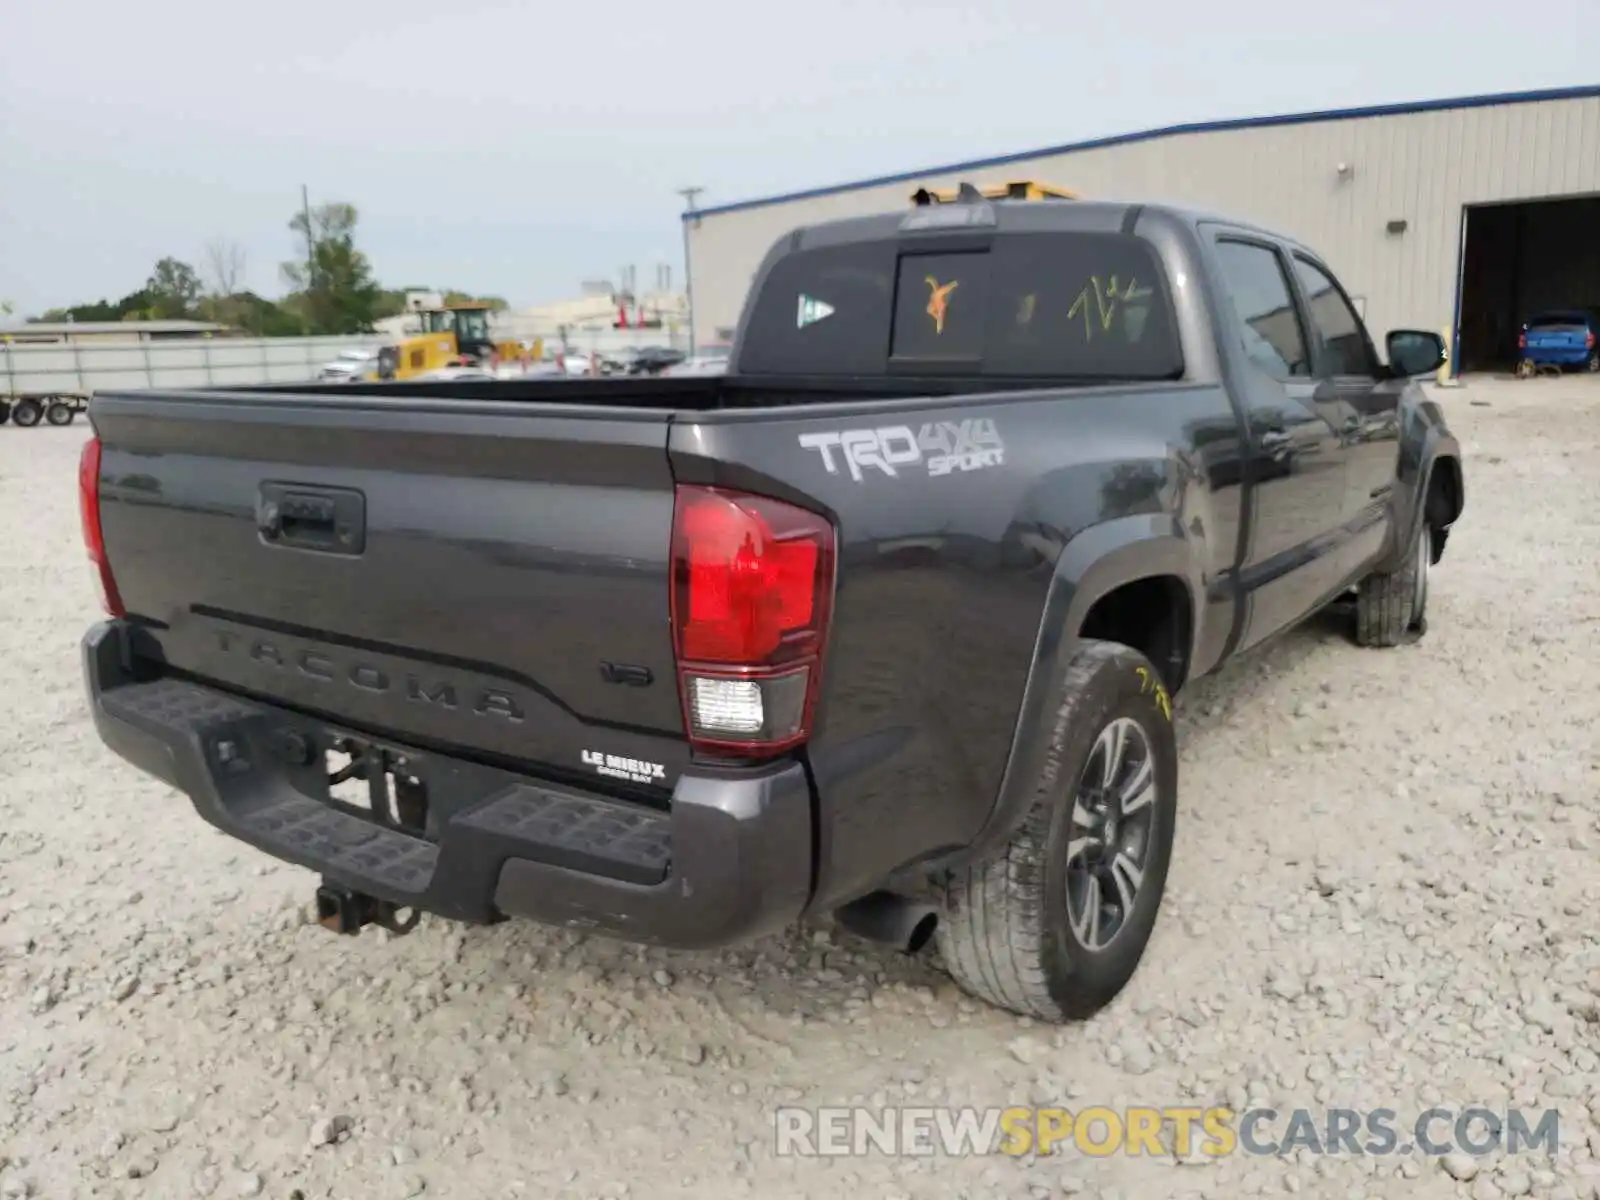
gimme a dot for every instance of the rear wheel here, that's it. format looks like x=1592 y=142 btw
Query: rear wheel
x=1526 y=369
x=1055 y=924
x=27 y=413
x=59 y=414
x=1593 y=362
x=5 y=412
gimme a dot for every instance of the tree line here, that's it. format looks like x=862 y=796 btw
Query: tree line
x=331 y=290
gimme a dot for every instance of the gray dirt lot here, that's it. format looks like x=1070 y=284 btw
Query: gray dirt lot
x=1386 y=893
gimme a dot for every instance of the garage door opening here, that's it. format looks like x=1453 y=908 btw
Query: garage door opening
x=1518 y=260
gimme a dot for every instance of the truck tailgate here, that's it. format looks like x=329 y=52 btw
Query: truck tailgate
x=489 y=577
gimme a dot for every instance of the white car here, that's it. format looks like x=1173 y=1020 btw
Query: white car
x=452 y=373
x=348 y=366
x=544 y=369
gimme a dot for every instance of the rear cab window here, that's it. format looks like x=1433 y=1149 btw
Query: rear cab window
x=1084 y=306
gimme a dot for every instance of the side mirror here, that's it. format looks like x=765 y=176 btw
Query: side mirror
x=1415 y=352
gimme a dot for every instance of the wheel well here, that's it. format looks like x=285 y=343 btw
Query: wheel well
x=1442 y=505
x=1154 y=616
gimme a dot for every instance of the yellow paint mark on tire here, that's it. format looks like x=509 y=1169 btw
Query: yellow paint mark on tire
x=1149 y=683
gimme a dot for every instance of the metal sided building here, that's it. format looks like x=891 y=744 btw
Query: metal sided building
x=1465 y=215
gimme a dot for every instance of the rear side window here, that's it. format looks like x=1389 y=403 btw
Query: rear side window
x=1268 y=323
x=1069 y=305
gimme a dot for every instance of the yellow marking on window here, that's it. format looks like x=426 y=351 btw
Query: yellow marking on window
x=939 y=301
x=1111 y=299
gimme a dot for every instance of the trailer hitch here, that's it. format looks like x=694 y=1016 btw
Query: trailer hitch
x=345 y=911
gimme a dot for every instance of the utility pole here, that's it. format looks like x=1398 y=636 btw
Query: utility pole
x=689 y=194
x=311 y=253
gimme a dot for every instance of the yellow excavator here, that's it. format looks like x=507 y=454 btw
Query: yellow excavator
x=1020 y=189
x=451 y=335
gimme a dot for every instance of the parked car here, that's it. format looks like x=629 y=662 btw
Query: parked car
x=457 y=372
x=577 y=364
x=887 y=622
x=537 y=369
x=349 y=365
x=1564 y=338
x=652 y=360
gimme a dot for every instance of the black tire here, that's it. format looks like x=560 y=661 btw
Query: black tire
x=1593 y=363
x=5 y=412
x=1394 y=607
x=27 y=413
x=59 y=414
x=1007 y=931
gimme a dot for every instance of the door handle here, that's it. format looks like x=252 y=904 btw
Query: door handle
x=327 y=519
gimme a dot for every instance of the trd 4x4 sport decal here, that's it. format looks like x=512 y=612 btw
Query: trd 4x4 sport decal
x=942 y=448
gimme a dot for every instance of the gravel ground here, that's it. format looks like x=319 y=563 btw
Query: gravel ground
x=1385 y=894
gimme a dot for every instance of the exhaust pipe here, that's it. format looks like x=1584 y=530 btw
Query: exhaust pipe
x=890 y=920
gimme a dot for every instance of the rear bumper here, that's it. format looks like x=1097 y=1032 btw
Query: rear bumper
x=1563 y=356
x=730 y=860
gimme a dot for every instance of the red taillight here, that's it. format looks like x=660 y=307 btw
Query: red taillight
x=1522 y=341
x=752 y=584
x=94 y=541
x=1588 y=340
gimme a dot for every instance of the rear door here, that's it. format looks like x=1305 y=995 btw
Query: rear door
x=1296 y=458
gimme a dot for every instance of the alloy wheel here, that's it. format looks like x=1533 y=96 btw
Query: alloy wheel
x=1113 y=809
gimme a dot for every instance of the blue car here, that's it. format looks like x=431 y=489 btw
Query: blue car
x=1560 y=338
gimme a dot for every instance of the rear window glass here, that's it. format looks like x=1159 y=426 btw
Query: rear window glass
x=1070 y=305
x=1558 y=321
x=823 y=312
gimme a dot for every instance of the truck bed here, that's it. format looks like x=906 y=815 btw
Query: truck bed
x=706 y=393
x=508 y=546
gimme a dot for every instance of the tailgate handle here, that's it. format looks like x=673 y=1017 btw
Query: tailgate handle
x=332 y=520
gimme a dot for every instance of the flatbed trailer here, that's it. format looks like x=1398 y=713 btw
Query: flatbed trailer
x=29 y=408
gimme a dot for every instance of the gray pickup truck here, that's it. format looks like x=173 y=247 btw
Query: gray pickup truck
x=886 y=622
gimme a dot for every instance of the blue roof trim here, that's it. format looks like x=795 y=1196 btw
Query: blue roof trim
x=1582 y=92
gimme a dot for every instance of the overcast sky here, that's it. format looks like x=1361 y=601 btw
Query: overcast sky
x=520 y=148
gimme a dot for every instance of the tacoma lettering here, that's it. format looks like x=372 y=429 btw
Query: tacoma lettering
x=374 y=680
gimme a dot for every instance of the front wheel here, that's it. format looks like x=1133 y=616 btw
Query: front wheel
x=1054 y=925
x=1393 y=605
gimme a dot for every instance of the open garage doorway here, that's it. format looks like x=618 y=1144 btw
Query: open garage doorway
x=1519 y=259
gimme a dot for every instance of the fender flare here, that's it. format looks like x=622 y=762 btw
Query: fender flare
x=1093 y=563
x=1410 y=502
